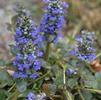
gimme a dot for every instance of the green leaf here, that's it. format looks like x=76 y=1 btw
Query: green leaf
x=72 y=82
x=88 y=78
x=87 y=95
x=37 y=85
x=98 y=78
x=91 y=82
x=5 y=79
x=21 y=85
x=59 y=76
x=3 y=94
x=45 y=64
x=52 y=88
x=13 y=50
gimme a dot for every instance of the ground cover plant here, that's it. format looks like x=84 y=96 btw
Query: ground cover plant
x=45 y=64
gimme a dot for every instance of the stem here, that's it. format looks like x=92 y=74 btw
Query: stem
x=66 y=92
x=56 y=96
x=64 y=77
x=67 y=95
x=82 y=98
x=92 y=90
x=47 y=51
x=13 y=96
x=12 y=87
x=42 y=76
x=39 y=78
x=64 y=70
x=98 y=55
x=89 y=89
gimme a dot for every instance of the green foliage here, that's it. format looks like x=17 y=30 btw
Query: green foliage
x=3 y=94
x=5 y=79
x=98 y=79
x=72 y=82
x=87 y=95
x=58 y=80
x=21 y=85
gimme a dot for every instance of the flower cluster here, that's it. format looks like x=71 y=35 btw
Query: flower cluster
x=32 y=96
x=53 y=19
x=27 y=44
x=85 y=50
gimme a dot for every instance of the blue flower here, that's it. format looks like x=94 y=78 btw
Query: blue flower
x=27 y=43
x=70 y=72
x=18 y=31
x=53 y=19
x=65 y=5
x=84 y=49
x=20 y=74
x=34 y=76
x=31 y=96
x=36 y=67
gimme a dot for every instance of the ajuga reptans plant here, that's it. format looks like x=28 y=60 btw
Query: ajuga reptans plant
x=31 y=55
x=52 y=21
x=84 y=49
x=27 y=43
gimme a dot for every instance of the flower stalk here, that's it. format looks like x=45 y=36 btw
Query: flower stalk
x=64 y=77
x=47 y=51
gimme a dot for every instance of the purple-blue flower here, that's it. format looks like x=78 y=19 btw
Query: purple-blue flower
x=27 y=42
x=34 y=76
x=31 y=96
x=20 y=74
x=84 y=49
x=70 y=72
x=53 y=19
